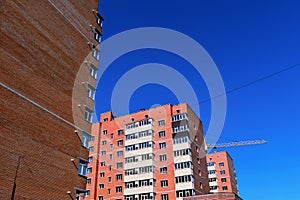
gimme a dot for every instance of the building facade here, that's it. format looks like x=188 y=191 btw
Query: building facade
x=221 y=173
x=152 y=154
x=216 y=196
x=48 y=73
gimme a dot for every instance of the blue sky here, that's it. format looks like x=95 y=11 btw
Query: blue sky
x=247 y=40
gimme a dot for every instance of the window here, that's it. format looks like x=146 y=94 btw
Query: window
x=179 y=117
x=147 y=156
x=102 y=174
x=224 y=188
x=100 y=197
x=99 y=20
x=104 y=142
x=162 y=145
x=184 y=179
x=88 y=115
x=221 y=164
x=162 y=134
x=183 y=165
x=111 y=146
x=97 y=35
x=91 y=92
x=120 y=143
x=105 y=119
x=110 y=156
x=110 y=167
x=105 y=132
x=95 y=52
x=111 y=136
x=85 y=139
x=180 y=128
x=181 y=140
x=93 y=71
x=109 y=179
x=120 y=153
x=211 y=171
x=119 y=177
x=222 y=172
x=101 y=186
x=210 y=164
x=82 y=168
x=182 y=152
x=90 y=159
x=185 y=193
x=144 y=133
x=102 y=164
x=87 y=193
x=163 y=170
x=164 y=197
x=119 y=165
x=223 y=180
x=212 y=179
x=108 y=191
x=88 y=181
x=89 y=170
x=91 y=149
x=118 y=189
x=161 y=122
x=120 y=132
x=163 y=158
x=164 y=183
x=103 y=153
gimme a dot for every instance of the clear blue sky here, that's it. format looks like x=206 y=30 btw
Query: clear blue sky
x=247 y=40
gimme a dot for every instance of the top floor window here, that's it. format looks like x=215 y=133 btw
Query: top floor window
x=179 y=117
x=99 y=20
x=139 y=123
x=161 y=122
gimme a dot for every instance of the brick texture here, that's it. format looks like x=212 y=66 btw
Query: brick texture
x=40 y=55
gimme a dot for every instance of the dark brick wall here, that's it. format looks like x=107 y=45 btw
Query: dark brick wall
x=40 y=55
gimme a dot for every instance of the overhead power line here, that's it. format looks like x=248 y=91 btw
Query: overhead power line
x=251 y=83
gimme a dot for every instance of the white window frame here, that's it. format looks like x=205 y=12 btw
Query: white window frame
x=88 y=115
x=91 y=92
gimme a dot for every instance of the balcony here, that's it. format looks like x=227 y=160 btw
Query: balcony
x=179 y=117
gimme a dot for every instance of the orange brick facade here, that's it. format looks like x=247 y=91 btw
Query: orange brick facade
x=145 y=155
x=43 y=46
x=221 y=173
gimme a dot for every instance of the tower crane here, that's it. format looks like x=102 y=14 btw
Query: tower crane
x=235 y=144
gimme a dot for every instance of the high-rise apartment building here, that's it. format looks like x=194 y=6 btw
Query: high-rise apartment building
x=48 y=71
x=221 y=173
x=152 y=154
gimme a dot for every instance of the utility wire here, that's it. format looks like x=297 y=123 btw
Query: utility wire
x=250 y=83
x=244 y=86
